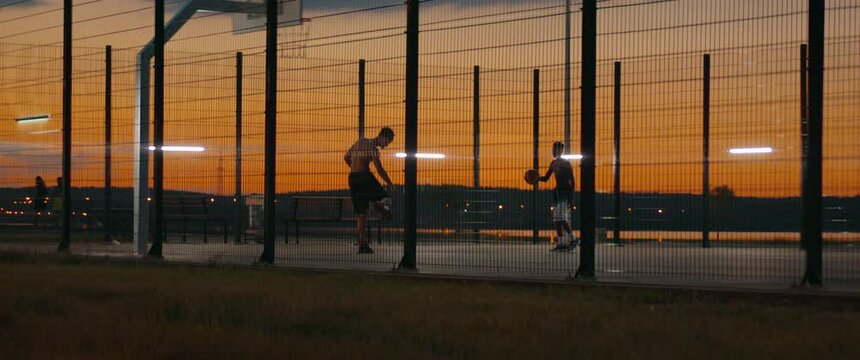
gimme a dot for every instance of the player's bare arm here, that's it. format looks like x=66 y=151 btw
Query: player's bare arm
x=380 y=169
x=549 y=172
x=348 y=157
x=571 y=179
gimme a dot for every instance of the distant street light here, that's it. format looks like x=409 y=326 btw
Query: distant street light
x=747 y=151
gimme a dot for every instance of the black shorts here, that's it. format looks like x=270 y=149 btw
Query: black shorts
x=364 y=188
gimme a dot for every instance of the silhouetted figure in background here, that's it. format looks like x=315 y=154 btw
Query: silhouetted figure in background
x=40 y=198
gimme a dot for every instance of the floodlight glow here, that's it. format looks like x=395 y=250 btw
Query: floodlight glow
x=744 y=151
x=572 y=157
x=33 y=118
x=422 y=156
x=43 y=132
x=179 y=148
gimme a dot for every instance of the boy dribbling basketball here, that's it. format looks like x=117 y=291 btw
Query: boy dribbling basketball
x=563 y=198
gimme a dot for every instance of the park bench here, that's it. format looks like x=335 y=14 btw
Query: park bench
x=325 y=209
x=189 y=210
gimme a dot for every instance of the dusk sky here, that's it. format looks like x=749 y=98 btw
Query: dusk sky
x=755 y=92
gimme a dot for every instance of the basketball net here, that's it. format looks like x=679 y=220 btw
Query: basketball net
x=294 y=40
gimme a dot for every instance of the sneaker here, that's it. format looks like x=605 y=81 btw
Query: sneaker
x=115 y=242
x=365 y=249
x=560 y=248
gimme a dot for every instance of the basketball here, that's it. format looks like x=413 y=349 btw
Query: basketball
x=531 y=176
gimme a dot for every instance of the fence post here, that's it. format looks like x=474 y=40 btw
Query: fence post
x=361 y=97
x=411 y=186
x=804 y=117
x=239 y=228
x=476 y=140
x=567 y=77
x=269 y=211
x=535 y=150
x=706 y=151
x=67 y=128
x=588 y=98
x=616 y=137
x=812 y=202
x=107 y=215
x=158 y=137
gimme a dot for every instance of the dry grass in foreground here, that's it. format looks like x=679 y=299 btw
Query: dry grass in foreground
x=70 y=308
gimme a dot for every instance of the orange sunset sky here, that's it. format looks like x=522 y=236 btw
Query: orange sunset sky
x=755 y=99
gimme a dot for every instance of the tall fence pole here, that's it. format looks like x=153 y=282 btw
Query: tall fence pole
x=67 y=127
x=588 y=99
x=535 y=150
x=804 y=114
x=361 y=97
x=411 y=184
x=269 y=211
x=476 y=140
x=107 y=215
x=567 y=77
x=812 y=188
x=158 y=137
x=239 y=228
x=706 y=152
x=616 y=162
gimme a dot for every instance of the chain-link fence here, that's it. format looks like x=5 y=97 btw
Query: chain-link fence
x=700 y=130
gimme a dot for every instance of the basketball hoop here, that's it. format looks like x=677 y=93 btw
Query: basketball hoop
x=289 y=15
x=294 y=41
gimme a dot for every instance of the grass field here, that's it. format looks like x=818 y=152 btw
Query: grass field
x=74 y=308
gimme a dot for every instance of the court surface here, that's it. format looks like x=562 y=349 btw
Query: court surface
x=722 y=265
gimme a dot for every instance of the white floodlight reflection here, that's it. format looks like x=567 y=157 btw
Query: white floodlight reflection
x=179 y=148
x=44 y=132
x=422 y=155
x=747 y=151
x=572 y=157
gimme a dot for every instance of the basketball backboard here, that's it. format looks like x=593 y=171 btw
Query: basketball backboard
x=289 y=14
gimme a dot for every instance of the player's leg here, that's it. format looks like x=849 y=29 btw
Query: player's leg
x=358 y=187
x=561 y=244
x=361 y=209
x=561 y=216
x=362 y=230
x=559 y=229
x=572 y=242
x=380 y=198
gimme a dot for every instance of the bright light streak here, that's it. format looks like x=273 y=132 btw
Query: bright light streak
x=744 y=151
x=422 y=156
x=179 y=148
x=572 y=157
x=44 y=132
x=33 y=118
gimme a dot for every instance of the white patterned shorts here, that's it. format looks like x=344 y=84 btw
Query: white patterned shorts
x=561 y=211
